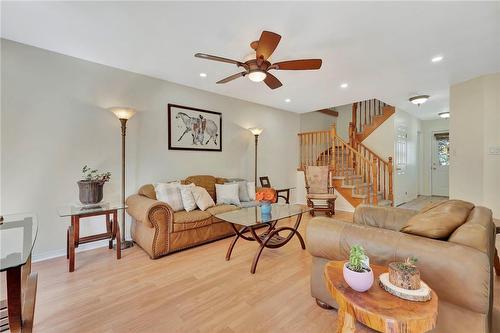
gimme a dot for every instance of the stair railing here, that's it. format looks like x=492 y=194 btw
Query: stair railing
x=348 y=161
x=327 y=148
x=364 y=112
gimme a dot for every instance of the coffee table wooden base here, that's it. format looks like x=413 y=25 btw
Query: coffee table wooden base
x=376 y=308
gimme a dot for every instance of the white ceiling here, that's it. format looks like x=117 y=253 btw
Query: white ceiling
x=382 y=49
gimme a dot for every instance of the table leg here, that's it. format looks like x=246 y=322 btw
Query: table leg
x=67 y=243
x=346 y=323
x=288 y=196
x=14 y=298
x=117 y=235
x=71 y=233
x=109 y=229
x=77 y=230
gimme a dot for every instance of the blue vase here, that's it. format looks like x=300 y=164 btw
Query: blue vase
x=265 y=208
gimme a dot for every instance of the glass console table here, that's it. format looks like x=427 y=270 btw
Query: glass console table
x=73 y=239
x=17 y=237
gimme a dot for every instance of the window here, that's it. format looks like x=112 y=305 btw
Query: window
x=443 y=148
x=401 y=150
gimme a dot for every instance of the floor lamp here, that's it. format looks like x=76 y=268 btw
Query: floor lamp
x=256 y=132
x=123 y=114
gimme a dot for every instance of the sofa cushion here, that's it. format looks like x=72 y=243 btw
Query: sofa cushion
x=188 y=200
x=227 y=194
x=148 y=191
x=440 y=220
x=242 y=189
x=170 y=193
x=206 y=181
x=221 y=209
x=202 y=198
x=191 y=217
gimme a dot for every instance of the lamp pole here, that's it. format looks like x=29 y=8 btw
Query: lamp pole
x=123 y=114
x=256 y=132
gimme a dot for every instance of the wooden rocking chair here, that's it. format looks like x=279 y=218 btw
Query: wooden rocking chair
x=319 y=190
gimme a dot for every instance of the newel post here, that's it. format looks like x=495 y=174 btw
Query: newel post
x=333 y=134
x=391 y=168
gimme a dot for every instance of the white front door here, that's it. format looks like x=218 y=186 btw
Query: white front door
x=440 y=164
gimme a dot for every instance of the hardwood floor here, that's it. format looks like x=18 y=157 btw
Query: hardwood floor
x=190 y=291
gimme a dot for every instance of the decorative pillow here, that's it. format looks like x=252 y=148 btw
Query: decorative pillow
x=170 y=194
x=227 y=194
x=242 y=190
x=251 y=190
x=440 y=220
x=187 y=197
x=202 y=198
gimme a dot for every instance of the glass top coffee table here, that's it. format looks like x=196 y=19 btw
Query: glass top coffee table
x=250 y=219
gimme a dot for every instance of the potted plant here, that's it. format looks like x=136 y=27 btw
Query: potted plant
x=91 y=185
x=357 y=272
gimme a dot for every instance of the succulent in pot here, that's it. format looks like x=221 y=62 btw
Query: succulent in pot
x=91 y=185
x=357 y=272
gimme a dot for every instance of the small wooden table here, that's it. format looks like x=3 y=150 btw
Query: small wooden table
x=376 y=308
x=73 y=239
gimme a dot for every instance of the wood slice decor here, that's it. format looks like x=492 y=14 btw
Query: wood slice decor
x=406 y=279
x=423 y=294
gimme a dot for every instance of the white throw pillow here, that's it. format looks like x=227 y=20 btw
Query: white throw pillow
x=251 y=190
x=227 y=194
x=170 y=194
x=187 y=197
x=202 y=198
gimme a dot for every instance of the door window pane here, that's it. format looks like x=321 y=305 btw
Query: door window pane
x=443 y=151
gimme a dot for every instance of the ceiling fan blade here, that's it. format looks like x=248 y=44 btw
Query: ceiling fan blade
x=216 y=58
x=267 y=44
x=303 y=64
x=272 y=82
x=232 y=77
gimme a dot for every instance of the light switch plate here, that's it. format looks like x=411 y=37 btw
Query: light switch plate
x=494 y=150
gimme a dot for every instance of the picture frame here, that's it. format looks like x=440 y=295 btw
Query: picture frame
x=194 y=129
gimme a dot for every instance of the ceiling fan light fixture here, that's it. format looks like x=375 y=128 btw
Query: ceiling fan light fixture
x=257 y=76
x=420 y=99
x=445 y=114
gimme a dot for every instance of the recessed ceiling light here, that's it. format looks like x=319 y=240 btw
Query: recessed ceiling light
x=344 y=85
x=445 y=114
x=437 y=59
x=420 y=99
x=288 y=100
x=203 y=74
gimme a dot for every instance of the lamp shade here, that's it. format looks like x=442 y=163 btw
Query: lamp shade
x=255 y=130
x=122 y=112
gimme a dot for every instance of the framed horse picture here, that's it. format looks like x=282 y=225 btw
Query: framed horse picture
x=194 y=129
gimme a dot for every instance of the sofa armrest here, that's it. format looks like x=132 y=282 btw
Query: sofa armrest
x=144 y=210
x=383 y=217
x=458 y=274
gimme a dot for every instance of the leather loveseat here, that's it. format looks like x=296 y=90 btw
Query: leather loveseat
x=159 y=230
x=459 y=267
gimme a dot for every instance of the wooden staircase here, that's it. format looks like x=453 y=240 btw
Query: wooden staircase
x=366 y=117
x=357 y=173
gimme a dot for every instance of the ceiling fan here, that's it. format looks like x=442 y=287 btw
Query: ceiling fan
x=258 y=69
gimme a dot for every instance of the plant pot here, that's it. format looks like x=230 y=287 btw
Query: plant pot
x=90 y=192
x=359 y=281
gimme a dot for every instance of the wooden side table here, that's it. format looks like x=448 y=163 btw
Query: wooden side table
x=76 y=213
x=376 y=308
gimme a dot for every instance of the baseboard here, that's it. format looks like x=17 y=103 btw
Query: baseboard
x=62 y=252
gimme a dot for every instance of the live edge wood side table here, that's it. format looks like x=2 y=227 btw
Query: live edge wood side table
x=17 y=237
x=376 y=308
x=76 y=213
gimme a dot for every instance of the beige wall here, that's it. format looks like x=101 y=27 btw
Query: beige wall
x=474 y=130
x=315 y=121
x=54 y=120
x=343 y=120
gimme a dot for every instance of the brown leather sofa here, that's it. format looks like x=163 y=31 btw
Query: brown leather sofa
x=459 y=268
x=159 y=230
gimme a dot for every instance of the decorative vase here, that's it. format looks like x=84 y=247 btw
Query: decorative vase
x=90 y=191
x=407 y=279
x=359 y=281
x=265 y=208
